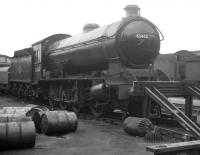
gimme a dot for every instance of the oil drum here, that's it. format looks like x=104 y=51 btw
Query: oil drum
x=32 y=111
x=15 y=110
x=25 y=108
x=137 y=126
x=31 y=105
x=37 y=120
x=14 y=118
x=17 y=135
x=54 y=122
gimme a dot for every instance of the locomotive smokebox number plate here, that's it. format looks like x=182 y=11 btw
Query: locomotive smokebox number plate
x=143 y=36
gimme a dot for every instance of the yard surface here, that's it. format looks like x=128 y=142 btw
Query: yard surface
x=92 y=138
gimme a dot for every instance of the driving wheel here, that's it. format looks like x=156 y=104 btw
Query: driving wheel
x=63 y=97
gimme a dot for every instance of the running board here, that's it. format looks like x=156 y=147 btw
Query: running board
x=187 y=123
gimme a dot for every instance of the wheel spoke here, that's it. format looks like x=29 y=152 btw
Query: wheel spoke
x=63 y=98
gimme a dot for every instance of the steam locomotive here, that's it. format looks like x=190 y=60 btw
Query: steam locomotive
x=93 y=70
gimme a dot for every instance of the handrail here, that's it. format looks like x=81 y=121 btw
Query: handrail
x=186 y=122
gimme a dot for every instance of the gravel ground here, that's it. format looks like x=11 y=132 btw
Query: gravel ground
x=92 y=138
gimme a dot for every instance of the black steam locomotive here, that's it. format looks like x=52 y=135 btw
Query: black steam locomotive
x=93 y=70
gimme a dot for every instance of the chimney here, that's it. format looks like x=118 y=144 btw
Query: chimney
x=89 y=27
x=132 y=10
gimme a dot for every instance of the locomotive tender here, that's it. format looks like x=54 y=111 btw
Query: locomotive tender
x=93 y=70
x=4 y=67
x=179 y=66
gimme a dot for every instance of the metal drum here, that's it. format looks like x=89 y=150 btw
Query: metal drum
x=31 y=105
x=37 y=120
x=32 y=111
x=14 y=118
x=17 y=135
x=137 y=126
x=15 y=110
x=54 y=122
x=12 y=115
x=26 y=108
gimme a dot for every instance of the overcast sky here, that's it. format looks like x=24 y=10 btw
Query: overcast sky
x=24 y=22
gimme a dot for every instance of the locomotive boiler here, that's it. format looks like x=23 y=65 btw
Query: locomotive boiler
x=134 y=41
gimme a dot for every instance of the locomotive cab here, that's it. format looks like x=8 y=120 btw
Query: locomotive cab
x=41 y=56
